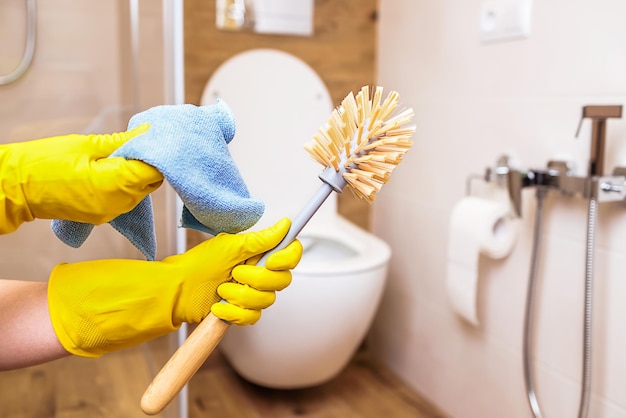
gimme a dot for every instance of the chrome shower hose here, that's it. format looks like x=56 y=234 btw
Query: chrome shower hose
x=530 y=302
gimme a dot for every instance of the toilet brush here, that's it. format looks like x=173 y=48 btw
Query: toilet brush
x=360 y=145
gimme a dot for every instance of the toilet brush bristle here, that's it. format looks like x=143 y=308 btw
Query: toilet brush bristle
x=364 y=139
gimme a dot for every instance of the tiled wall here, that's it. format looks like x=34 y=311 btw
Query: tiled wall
x=80 y=82
x=474 y=102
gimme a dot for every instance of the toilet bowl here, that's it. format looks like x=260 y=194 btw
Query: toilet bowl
x=317 y=323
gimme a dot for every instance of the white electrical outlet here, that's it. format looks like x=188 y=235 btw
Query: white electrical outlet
x=502 y=20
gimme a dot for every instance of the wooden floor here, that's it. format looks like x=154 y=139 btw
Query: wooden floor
x=112 y=386
x=76 y=387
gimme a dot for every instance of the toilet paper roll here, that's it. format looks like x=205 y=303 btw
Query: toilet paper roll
x=477 y=226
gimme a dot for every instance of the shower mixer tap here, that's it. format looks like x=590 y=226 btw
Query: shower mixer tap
x=547 y=178
x=506 y=175
x=559 y=175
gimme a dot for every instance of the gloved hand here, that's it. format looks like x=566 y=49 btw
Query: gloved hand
x=69 y=177
x=101 y=306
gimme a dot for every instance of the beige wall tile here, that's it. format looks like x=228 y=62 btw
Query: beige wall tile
x=474 y=102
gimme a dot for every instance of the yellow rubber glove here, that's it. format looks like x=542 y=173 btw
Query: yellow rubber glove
x=69 y=177
x=101 y=306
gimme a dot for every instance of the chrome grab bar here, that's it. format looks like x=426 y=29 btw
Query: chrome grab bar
x=29 y=50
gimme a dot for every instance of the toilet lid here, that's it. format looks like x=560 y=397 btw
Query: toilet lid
x=279 y=102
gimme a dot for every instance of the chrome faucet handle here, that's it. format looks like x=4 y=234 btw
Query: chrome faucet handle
x=511 y=178
x=598 y=114
x=558 y=171
x=515 y=180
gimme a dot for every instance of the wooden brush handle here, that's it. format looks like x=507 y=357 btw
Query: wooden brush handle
x=185 y=362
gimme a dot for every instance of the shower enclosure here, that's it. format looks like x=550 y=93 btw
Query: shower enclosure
x=94 y=64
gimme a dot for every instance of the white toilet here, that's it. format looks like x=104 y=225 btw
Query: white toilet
x=318 y=322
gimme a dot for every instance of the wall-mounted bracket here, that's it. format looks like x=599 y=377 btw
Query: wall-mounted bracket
x=607 y=188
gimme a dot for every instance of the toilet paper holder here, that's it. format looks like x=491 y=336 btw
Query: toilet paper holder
x=505 y=175
x=497 y=174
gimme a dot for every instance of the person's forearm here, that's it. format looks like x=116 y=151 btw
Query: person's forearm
x=27 y=334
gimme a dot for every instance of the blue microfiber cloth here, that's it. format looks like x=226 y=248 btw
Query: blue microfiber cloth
x=188 y=144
